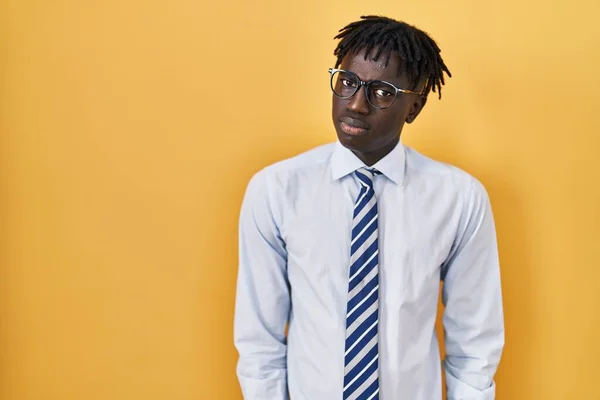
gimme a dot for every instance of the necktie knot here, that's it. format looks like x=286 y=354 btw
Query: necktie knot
x=366 y=174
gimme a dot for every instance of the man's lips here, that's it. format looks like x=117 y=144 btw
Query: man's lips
x=353 y=127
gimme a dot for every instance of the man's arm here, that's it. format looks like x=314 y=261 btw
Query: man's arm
x=262 y=298
x=473 y=317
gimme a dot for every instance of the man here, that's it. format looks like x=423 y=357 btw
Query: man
x=346 y=244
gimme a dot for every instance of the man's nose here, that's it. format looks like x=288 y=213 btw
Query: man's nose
x=358 y=103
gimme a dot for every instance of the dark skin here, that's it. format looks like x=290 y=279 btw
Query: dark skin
x=383 y=127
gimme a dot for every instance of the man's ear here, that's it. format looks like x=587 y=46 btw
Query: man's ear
x=416 y=108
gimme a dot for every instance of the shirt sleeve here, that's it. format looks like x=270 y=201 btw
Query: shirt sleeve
x=473 y=317
x=262 y=298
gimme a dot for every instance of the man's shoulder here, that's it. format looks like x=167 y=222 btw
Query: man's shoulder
x=284 y=170
x=428 y=168
x=314 y=157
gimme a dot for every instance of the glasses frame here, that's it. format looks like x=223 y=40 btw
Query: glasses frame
x=366 y=85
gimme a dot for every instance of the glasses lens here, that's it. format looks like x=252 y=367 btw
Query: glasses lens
x=381 y=94
x=344 y=84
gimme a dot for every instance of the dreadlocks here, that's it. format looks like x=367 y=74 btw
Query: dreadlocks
x=419 y=54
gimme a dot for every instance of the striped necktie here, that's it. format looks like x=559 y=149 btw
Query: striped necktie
x=361 y=373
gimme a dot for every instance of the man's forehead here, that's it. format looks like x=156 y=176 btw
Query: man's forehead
x=386 y=62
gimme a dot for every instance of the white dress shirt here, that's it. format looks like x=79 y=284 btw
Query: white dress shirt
x=435 y=224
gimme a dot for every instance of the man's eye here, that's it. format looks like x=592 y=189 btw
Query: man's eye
x=348 y=83
x=383 y=93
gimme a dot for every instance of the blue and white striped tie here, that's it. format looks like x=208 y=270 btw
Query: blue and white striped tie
x=361 y=373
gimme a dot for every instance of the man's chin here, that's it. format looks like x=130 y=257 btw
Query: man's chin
x=352 y=143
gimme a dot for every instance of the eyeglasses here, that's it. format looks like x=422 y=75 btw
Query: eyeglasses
x=380 y=94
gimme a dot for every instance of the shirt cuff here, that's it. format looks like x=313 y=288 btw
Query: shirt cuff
x=458 y=390
x=258 y=389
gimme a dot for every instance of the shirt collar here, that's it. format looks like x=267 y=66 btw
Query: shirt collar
x=344 y=162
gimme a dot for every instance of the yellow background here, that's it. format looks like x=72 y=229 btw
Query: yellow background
x=129 y=130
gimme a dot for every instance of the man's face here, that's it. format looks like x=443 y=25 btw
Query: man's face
x=369 y=132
